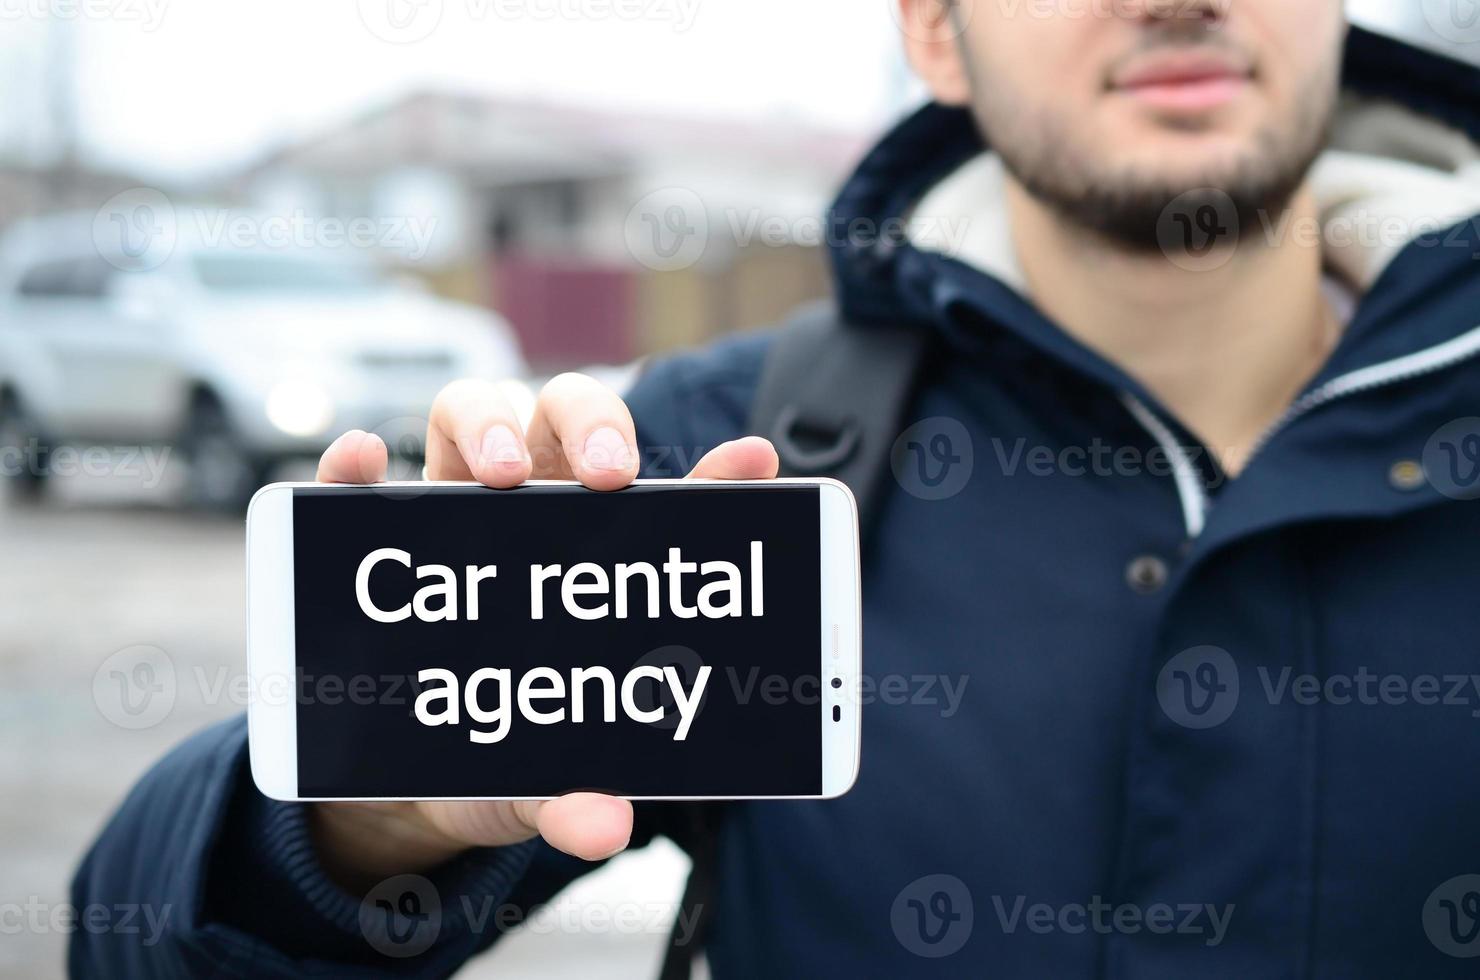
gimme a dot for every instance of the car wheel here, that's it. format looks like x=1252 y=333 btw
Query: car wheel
x=223 y=471
x=23 y=454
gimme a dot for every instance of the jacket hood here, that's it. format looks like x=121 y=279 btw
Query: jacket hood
x=1402 y=166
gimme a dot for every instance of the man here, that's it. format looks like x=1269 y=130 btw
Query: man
x=1211 y=334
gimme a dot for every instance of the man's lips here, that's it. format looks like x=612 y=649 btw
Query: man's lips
x=1183 y=82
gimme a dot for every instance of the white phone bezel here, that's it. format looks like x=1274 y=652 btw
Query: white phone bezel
x=271 y=654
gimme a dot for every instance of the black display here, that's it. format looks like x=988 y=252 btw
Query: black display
x=458 y=641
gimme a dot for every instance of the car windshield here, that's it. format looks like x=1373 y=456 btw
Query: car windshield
x=258 y=272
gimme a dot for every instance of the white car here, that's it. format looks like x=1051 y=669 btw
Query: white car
x=240 y=358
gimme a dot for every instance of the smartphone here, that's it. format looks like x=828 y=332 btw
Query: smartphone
x=674 y=640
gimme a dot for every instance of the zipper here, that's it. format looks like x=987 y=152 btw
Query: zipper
x=1190 y=490
x=1437 y=358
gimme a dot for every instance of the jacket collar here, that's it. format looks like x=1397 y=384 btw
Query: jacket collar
x=882 y=275
x=1423 y=299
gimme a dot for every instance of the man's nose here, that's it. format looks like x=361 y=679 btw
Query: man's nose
x=1193 y=14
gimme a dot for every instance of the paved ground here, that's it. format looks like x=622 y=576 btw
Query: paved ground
x=105 y=565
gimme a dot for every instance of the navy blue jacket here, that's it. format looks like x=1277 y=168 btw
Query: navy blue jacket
x=1201 y=727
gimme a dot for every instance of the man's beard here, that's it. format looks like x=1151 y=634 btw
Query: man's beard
x=1129 y=209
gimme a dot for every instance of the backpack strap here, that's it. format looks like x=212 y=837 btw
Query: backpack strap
x=832 y=396
x=831 y=399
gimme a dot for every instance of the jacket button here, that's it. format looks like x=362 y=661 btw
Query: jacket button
x=1407 y=474
x=1146 y=574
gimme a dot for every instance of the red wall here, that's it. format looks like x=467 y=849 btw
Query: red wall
x=567 y=313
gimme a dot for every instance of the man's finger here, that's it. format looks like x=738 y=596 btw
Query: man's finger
x=355 y=457
x=751 y=458
x=587 y=825
x=473 y=434
x=582 y=430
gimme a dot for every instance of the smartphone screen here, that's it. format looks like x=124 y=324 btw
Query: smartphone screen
x=464 y=642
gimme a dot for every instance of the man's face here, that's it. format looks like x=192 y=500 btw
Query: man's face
x=1109 y=109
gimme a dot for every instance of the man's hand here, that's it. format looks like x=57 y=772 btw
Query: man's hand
x=581 y=430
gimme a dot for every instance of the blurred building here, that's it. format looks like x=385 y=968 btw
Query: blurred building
x=29 y=189
x=533 y=206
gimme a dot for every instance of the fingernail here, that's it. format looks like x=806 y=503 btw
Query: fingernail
x=607 y=450
x=501 y=447
x=612 y=853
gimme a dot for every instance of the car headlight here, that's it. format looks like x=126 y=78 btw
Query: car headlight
x=300 y=408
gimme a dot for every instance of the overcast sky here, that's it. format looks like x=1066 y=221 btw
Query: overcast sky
x=175 y=87
x=179 y=86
